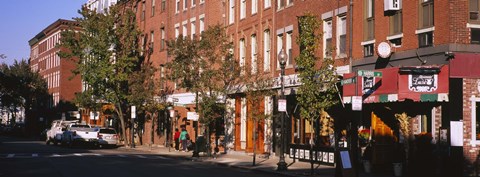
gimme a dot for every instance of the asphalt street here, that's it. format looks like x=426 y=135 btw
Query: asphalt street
x=28 y=158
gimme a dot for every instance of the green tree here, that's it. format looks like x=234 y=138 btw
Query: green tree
x=207 y=68
x=106 y=52
x=317 y=92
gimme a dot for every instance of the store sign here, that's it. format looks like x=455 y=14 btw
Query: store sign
x=357 y=103
x=282 y=105
x=192 y=116
x=423 y=83
x=367 y=85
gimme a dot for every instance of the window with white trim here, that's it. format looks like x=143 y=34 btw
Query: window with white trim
x=177 y=6
x=288 y=47
x=341 y=36
x=243 y=9
x=153 y=8
x=185 y=4
x=327 y=38
x=162 y=41
x=279 y=45
x=267 y=3
x=475 y=113
x=194 y=3
x=231 y=12
x=253 y=53
x=426 y=13
x=177 y=30
x=184 y=29
x=192 y=28
x=266 y=50
x=241 y=52
x=280 y=4
x=254 y=6
x=202 y=24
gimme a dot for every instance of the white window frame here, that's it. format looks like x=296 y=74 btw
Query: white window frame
x=267 y=4
x=341 y=30
x=185 y=5
x=326 y=35
x=279 y=46
x=243 y=119
x=231 y=12
x=266 y=50
x=253 y=53
x=177 y=6
x=288 y=46
x=192 y=27
x=474 y=101
x=177 y=30
x=254 y=6
x=241 y=53
x=202 y=24
x=243 y=9
x=193 y=3
x=184 y=29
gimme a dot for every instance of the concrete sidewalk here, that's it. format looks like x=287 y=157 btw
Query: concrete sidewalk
x=245 y=161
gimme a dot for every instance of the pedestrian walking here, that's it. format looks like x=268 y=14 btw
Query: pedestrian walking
x=184 y=138
x=176 y=137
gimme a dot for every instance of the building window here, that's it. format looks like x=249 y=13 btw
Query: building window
x=279 y=45
x=253 y=53
x=342 y=37
x=185 y=4
x=162 y=42
x=231 y=12
x=164 y=5
x=177 y=6
x=267 y=3
x=368 y=50
x=202 y=24
x=369 y=20
x=192 y=28
x=327 y=38
x=475 y=119
x=152 y=39
x=202 y=1
x=242 y=54
x=396 y=23
x=280 y=4
x=288 y=48
x=425 y=39
x=254 y=6
x=142 y=17
x=177 y=30
x=397 y=42
x=474 y=7
x=426 y=13
x=266 y=50
x=194 y=3
x=184 y=29
x=474 y=35
x=153 y=8
x=243 y=9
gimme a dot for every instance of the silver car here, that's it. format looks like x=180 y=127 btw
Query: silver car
x=107 y=137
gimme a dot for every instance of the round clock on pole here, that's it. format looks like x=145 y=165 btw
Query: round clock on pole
x=384 y=50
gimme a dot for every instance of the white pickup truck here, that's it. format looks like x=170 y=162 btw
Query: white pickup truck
x=79 y=133
x=54 y=134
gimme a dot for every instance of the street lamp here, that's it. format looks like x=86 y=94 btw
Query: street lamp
x=282 y=165
x=169 y=135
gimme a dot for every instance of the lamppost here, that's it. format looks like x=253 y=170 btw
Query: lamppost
x=282 y=165
x=169 y=135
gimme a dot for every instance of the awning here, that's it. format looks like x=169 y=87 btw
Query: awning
x=465 y=65
x=417 y=83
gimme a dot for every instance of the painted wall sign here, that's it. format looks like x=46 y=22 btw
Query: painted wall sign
x=422 y=83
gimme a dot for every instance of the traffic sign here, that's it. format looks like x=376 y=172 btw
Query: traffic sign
x=369 y=73
x=282 y=105
x=348 y=81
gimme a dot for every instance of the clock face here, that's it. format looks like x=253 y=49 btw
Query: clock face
x=384 y=50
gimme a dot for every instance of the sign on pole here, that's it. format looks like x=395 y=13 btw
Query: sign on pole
x=282 y=105
x=192 y=116
x=357 y=103
x=369 y=73
x=133 y=111
x=348 y=81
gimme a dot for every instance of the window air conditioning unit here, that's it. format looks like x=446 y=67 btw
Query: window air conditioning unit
x=392 y=5
x=474 y=15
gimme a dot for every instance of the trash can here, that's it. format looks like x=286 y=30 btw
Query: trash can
x=200 y=144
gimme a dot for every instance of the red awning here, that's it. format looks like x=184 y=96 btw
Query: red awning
x=418 y=83
x=465 y=65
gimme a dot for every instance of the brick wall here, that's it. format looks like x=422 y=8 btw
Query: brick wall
x=470 y=150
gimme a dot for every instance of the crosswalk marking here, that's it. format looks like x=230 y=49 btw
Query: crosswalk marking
x=34 y=155
x=77 y=154
x=46 y=155
x=10 y=155
x=141 y=156
x=56 y=155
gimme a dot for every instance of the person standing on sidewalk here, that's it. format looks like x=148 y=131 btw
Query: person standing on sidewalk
x=183 y=139
x=176 y=137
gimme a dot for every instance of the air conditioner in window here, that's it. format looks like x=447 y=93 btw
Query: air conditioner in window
x=474 y=15
x=392 y=5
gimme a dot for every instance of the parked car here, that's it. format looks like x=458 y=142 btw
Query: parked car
x=55 y=133
x=107 y=137
x=79 y=134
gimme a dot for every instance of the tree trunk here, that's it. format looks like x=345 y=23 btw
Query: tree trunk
x=119 y=111
x=311 y=148
x=152 y=128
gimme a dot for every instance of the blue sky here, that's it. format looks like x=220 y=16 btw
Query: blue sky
x=21 y=20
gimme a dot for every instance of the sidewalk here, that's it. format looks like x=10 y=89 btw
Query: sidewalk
x=245 y=161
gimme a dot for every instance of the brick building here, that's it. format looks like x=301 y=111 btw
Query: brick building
x=44 y=59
